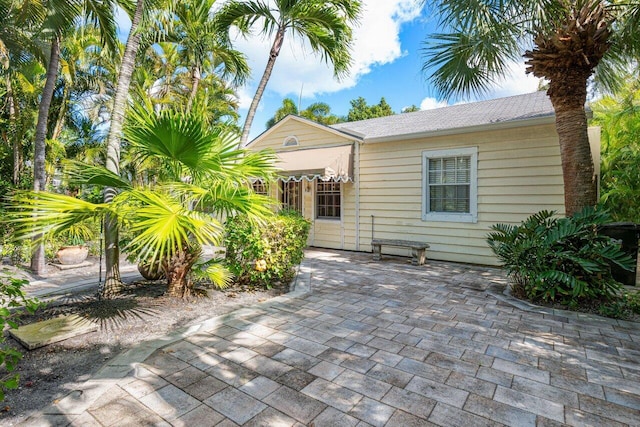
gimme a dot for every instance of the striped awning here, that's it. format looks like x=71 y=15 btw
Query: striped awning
x=326 y=164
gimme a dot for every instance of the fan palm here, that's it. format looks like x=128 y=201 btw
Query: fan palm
x=198 y=171
x=564 y=42
x=325 y=25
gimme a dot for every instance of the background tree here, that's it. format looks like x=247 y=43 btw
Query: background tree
x=319 y=112
x=325 y=25
x=563 y=42
x=60 y=18
x=410 y=109
x=360 y=110
x=619 y=117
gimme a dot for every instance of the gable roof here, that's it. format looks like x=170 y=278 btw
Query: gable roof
x=508 y=111
x=501 y=112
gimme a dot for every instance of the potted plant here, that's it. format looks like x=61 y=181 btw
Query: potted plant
x=73 y=249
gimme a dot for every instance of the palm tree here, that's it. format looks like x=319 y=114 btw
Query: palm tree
x=199 y=169
x=325 y=24
x=61 y=16
x=564 y=42
x=202 y=48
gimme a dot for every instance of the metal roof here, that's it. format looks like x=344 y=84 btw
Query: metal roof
x=530 y=106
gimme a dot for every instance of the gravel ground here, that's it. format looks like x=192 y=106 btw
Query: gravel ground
x=141 y=313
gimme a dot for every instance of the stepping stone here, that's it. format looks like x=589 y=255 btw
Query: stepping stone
x=39 y=334
x=64 y=267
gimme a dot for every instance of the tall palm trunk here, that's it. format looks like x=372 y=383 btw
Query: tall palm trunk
x=62 y=112
x=568 y=96
x=195 y=82
x=39 y=174
x=113 y=282
x=16 y=144
x=177 y=269
x=273 y=55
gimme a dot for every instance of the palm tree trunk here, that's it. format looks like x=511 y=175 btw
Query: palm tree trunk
x=16 y=145
x=113 y=282
x=177 y=270
x=39 y=175
x=568 y=96
x=195 y=82
x=273 y=55
x=57 y=130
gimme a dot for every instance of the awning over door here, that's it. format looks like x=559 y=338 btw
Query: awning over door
x=326 y=164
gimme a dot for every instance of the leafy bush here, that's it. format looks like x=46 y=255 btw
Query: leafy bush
x=263 y=254
x=11 y=296
x=560 y=259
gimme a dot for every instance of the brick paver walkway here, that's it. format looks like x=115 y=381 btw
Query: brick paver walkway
x=381 y=344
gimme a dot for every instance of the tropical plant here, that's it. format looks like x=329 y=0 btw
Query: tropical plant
x=319 y=112
x=59 y=17
x=560 y=259
x=564 y=42
x=265 y=254
x=197 y=171
x=12 y=297
x=619 y=118
x=325 y=25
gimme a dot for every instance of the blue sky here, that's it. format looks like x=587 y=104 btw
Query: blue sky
x=387 y=62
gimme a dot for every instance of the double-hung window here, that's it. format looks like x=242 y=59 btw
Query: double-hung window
x=260 y=187
x=450 y=185
x=328 y=200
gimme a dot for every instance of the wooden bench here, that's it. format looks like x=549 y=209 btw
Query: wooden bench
x=418 y=249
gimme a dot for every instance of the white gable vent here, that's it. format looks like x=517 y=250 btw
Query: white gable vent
x=290 y=141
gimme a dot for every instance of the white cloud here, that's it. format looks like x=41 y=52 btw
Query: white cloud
x=376 y=42
x=432 y=103
x=516 y=82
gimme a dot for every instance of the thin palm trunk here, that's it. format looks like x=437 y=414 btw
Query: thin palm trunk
x=568 y=97
x=39 y=174
x=195 y=82
x=57 y=130
x=273 y=55
x=16 y=144
x=113 y=282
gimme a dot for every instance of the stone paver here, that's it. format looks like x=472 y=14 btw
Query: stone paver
x=375 y=343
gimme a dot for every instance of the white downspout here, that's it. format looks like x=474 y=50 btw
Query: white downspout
x=356 y=177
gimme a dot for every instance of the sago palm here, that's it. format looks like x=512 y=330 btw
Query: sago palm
x=199 y=172
x=564 y=42
x=325 y=25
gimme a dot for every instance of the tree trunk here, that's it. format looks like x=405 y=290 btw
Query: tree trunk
x=568 y=96
x=195 y=82
x=273 y=55
x=177 y=270
x=113 y=282
x=39 y=175
x=57 y=130
x=16 y=143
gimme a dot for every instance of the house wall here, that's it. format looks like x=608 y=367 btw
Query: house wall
x=519 y=173
x=324 y=233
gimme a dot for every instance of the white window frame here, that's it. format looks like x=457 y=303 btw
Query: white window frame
x=315 y=198
x=472 y=215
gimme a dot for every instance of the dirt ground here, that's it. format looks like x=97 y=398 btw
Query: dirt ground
x=141 y=313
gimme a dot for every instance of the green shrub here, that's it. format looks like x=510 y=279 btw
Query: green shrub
x=560 y=259
x=266 y=253
x=11 y=297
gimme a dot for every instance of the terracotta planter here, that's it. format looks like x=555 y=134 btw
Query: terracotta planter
x=151 y=271
x=71 y=255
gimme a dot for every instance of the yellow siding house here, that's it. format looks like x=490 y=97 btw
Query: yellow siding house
x=440 y=176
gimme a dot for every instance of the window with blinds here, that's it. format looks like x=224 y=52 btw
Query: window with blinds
x=260 y=187
x=450 y=185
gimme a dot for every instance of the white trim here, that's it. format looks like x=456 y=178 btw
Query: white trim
x=472 y=216
x=356 y=182
x=291 y=138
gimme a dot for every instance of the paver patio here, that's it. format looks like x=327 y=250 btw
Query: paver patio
x=375 y=343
